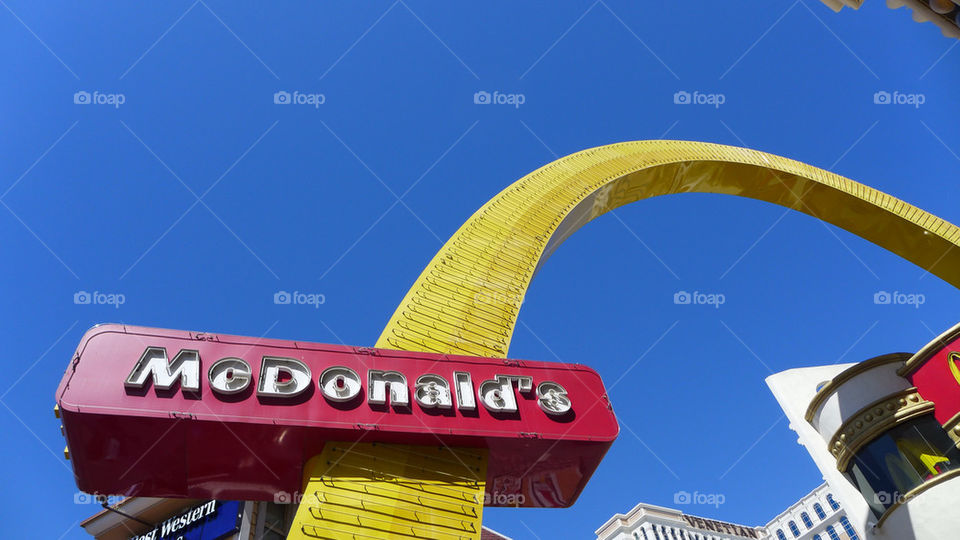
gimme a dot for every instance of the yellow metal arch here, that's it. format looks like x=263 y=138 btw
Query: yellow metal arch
x=468 y=298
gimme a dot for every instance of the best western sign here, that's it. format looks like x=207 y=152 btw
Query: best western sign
x=210 y=520
x=170 y=413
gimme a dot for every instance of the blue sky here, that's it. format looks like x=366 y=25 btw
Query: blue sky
x=352 y=197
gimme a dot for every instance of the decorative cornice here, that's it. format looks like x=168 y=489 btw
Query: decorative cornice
x=929 y=350
x=874 y=419
x=848 y=374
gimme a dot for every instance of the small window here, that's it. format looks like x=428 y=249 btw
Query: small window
x=819 y=510
x=780 y=535
x=832 y=533
x=849 y=528
x=833 y=503
x=794 y=529
x=806 y=520
x=817 y=537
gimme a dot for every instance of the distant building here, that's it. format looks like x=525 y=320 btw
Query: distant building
x=945 y=14
x=816 y=516
x=649 y=522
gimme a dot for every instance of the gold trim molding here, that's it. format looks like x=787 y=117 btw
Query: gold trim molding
x=940 y=478
x=952 y=427
x=848 y=374
x=929 y=350
x=874 y=419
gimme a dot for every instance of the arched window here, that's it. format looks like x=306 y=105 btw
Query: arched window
x=833 y=503
x=817 y=537
x=819 y=510
x=806 y=520
x=849 y=528
x=832 y=533
x=794 y=529
x=780 y=535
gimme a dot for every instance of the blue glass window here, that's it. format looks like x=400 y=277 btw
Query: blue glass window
x=849 y=528
x=819 y=510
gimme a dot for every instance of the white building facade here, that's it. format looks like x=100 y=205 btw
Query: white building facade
x=650 y=522
x=816 y=516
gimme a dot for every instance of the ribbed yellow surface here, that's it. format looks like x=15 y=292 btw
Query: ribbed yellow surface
x=361 y=491
x=467 y=299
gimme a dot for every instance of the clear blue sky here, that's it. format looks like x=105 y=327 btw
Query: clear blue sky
x=103 y=198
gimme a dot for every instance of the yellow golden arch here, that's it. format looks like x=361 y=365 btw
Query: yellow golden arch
x=468 y=298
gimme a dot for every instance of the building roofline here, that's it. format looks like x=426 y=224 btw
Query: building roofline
x=798 y=503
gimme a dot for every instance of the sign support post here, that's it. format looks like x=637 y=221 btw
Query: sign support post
x=368 y=490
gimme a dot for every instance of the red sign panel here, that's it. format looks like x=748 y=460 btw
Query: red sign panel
x=938 y=377
x=168 y=413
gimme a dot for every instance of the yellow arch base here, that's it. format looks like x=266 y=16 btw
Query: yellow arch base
x=467 y=299
x=363 y=491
